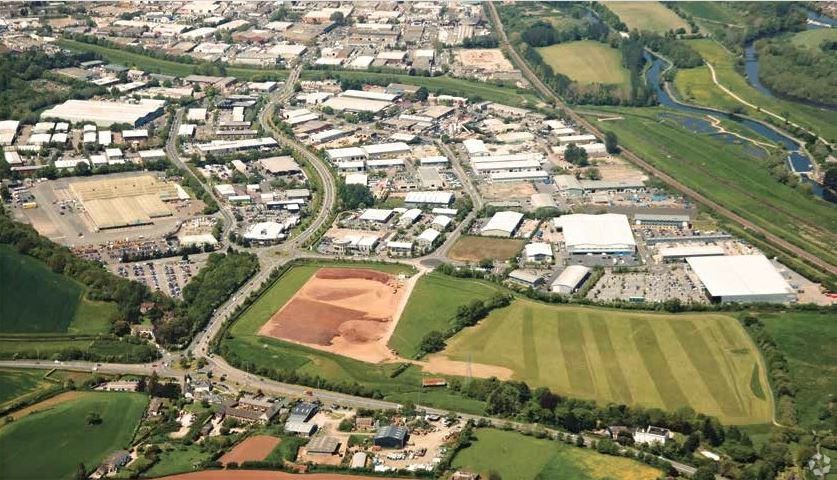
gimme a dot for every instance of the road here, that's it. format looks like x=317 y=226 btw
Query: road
x=773 y=240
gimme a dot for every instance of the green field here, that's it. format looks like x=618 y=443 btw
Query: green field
x=651 y=16
x=695 y=86
x=587 y=62
x=177 y=459
x=714 y=12
x=668 y=361
x=813 y=38
x=61 y=436
x=454 y=86
x=17 y=384
x=473 y=249
x=516 y=456
x=243 y=344
x=432 y=306
x=727 y=174
x=808 y=342
x=40 y=301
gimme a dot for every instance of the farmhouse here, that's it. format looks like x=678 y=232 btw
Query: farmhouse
x=502 y=224
x=390 y=436
x=741 y=278
x=607 y=233
x=652 y=435
x=570 y=279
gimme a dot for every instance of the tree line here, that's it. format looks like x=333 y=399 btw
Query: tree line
x=802 y=73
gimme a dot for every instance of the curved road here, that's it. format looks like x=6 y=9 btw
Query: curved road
x=774 y=240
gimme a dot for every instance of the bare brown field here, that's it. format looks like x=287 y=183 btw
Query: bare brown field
x=347 y=311
x=252 y=449
x=474 y=249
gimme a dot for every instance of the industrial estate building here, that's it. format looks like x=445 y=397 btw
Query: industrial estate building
x=104 y=113
x=741 y=278
x=608 y=233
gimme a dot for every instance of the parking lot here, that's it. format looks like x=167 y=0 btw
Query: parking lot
x=664 y=282
x=166 y=275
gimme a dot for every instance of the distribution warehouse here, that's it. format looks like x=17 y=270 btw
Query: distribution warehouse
x=741 y=278
x=606 y=233
x=105 y=114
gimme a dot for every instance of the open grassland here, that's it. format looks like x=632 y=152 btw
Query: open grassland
x=813 y=38
x=37 y=300
x=808 y=342
x=726 y=174
x=177 y=459
x=651 y=16
x=695 y=86
x=707 y=362
x=587 y=62
x=62 y=436
x=714 y=12
x=244 y=344
x=449 y=85
x=432 y=306
x=513 y=455
x=473 y=249
x=17 y=384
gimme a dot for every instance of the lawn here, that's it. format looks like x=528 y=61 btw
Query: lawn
x=705 y=361
x=808 y=342
x=17 y=384
x=38 y=300
x=432 y=306
x=587 y=62
x=652 y=16
x=62 y=436
x=243 y=344
x=179 y=459
x=513 y=455
x=727 y=174
x=696 y=86
x=473 y=249
x=813 y=38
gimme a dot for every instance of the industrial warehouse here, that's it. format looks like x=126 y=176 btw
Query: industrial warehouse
x=106 y=113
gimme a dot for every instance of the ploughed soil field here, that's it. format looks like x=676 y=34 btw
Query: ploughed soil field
x=252 y=449
x=346 y=311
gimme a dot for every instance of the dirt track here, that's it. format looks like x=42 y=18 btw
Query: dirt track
x=347 y=311
x=540 y=86
x=255 y=448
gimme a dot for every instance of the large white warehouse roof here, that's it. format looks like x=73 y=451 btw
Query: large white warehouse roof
x=105 y=114
x=741 y=278
x=502 y=223
x=606 y=233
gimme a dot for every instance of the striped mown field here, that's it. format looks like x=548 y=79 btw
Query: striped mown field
x=705 y=361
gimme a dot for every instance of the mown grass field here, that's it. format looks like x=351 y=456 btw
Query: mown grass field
x=470 y=248
x=695 y=86
x=177 y=459
x=37 y=300
x=651 y=16
x=51 y=443
x=516 y=456
x=705 y=361
x=432 y=306
x=808 y=342
x=243 y=343
x=449 y=85
x=726 y=174
x=813 y=38
x=587 y=62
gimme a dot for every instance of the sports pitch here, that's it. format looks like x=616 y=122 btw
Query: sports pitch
x=651 y=16
x=587 y=62
x=705 y=361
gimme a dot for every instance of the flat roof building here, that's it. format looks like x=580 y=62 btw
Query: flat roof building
x=502 y=224
x=606 y=233
x=105 y=114
x=570 y=279
x=428 y=198
x=741 y=278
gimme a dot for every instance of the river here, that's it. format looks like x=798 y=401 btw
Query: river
x=797 y=160
x=751 y=62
